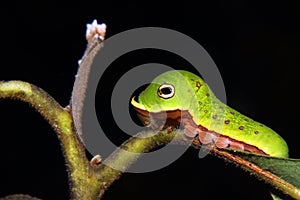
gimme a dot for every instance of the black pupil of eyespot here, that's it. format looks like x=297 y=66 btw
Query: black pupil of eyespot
x=166 y=90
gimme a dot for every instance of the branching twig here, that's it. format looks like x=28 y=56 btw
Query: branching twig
x=87 y=182
x=61 y=120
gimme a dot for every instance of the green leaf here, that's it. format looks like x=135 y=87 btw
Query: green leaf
x=275 y=197
x=285 y=168
x=281 y=173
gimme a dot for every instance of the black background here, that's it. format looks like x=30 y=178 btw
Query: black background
x=255 y=46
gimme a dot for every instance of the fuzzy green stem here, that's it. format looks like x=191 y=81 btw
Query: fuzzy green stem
x=122 y=159
x=60 y=119
x=85 y=182
x=91 y=183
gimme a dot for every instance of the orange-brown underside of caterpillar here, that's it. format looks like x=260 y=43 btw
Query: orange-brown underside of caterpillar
x=174 y=118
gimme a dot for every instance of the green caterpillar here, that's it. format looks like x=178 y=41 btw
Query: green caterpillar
x=183 y=97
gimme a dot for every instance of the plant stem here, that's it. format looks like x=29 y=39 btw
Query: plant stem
x=85 y=182
x=60 y=119
x=91 y=183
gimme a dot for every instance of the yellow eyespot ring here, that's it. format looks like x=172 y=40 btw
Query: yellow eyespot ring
x=166 y=91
